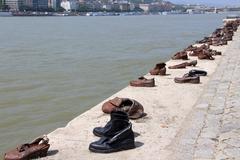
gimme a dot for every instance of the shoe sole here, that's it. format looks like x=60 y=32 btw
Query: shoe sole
x=111 y=150
x=191 y=81
x=96 y=134
x=143 y=85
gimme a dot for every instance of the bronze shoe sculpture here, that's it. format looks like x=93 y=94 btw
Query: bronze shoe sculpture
x=130 y=106
x=180 y=55
x=121 y=139
x=38 y=148
x=159 y=69
x=143 y=82
x=187 y=79
x=184 y=65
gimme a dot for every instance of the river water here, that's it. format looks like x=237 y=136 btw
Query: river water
x=55 y=68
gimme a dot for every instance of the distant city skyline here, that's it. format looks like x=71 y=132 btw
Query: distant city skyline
x=209 y=2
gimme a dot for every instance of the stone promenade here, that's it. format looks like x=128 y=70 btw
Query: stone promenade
x=183 y=122
x=212 y=130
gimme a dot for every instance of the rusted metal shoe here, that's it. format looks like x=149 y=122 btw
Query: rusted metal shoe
x=38 y=148
x=159 y=69
x=180 y=55
x=132 y=107
x=187 y=79
x=143 y=82
x=184 y=65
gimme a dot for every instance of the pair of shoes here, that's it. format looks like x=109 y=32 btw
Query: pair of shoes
x=132 y=107
x=37 y=148
x=116 y=135
x=143 y=82
x=183 y=65
x=159 y=69
x=193 y=76
x=187 y=79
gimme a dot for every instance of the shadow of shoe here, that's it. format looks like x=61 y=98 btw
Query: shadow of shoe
x=136 y=134
x=138 y=144
x=52 y=152
x=167 y=74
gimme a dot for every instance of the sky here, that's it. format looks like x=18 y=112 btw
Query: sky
x=209 y=2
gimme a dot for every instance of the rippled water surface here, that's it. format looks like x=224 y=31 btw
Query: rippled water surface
x=54 y=68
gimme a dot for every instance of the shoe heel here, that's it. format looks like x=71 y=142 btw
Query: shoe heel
x=194 y=63
x=40 y=153
x=43 y=153
x=128 y=144
x=195 y=81
x=129 y=147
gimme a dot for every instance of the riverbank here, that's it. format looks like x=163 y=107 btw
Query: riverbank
x=47 y=89
x=167 y=105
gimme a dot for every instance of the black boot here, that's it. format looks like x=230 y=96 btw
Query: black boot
x=119 y=120
x=124 y=140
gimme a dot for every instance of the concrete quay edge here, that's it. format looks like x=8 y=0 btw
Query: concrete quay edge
x=176 y=116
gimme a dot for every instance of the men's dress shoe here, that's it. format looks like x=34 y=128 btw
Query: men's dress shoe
x=178 y=66
x=119 y=120
x=183 y=65
x=159 y=69
x=123 y=140
x=143 y=82
x=132 y=107
x=187 y=79
x=195 y=72
x=38 y=148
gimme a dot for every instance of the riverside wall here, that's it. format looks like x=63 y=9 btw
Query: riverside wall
x=184 y=121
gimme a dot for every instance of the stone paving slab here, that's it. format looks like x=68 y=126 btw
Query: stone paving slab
x=213 y=126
